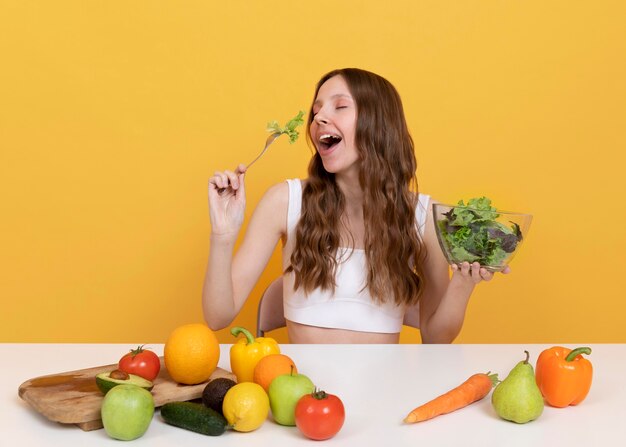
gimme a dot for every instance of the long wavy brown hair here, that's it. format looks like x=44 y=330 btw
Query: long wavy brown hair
x=393 y=248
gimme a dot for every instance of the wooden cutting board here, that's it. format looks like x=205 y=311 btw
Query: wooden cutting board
x=73 y=397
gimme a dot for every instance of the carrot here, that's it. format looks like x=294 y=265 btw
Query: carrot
x=470 y=391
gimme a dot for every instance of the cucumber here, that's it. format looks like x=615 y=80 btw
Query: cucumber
x=194 y=417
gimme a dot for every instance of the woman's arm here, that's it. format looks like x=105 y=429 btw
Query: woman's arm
x=445 y=298
x=230 y=278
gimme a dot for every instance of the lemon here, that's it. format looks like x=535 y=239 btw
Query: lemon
x=246 y=406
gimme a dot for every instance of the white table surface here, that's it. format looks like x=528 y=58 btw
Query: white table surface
x=379 y=385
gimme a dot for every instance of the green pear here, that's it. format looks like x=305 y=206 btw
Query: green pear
x=517 y=398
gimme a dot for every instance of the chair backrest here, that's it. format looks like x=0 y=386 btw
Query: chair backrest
x=271 y=315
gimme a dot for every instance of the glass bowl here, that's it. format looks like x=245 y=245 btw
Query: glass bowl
x=484 y=235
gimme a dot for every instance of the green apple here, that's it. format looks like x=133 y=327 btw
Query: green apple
x=127 y=412
x=284 y=392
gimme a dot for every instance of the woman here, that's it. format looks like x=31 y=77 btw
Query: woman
x=359 y=244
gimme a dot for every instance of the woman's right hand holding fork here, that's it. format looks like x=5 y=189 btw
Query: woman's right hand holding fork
x=227 y=202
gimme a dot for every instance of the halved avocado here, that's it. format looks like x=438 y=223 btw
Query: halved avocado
x=105 y=382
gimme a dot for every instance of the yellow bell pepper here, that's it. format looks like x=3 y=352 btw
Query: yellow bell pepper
x=246 y=353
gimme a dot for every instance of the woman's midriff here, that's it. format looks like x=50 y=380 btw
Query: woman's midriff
x=302 y=333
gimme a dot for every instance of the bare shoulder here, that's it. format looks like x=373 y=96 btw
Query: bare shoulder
x=273 y=206
x=277 y=194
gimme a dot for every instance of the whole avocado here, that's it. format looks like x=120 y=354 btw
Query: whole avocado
x=214 y=392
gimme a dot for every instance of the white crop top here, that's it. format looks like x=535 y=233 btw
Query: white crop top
x=351 y=306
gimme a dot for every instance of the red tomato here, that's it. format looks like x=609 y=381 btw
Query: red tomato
x=141 y=362
x=319 y=415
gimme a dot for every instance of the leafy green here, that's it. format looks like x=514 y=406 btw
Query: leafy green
x=290 y=127
x=471 y=233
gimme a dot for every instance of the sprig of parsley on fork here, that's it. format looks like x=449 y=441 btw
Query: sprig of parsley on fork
x=290 y=128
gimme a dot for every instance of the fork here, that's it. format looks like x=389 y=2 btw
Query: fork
x=268 y=142
x=270 y=139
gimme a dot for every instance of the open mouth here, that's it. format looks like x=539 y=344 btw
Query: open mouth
x=328 y=141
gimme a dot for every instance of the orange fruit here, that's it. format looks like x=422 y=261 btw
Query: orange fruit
x=191 y=353
x=271 y=366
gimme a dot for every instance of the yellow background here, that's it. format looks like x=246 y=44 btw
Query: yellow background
x=114 y=114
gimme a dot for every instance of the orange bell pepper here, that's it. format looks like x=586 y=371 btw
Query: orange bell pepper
x=564 y=375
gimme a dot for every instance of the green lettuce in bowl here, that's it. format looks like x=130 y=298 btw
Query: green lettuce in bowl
x=478 y=232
